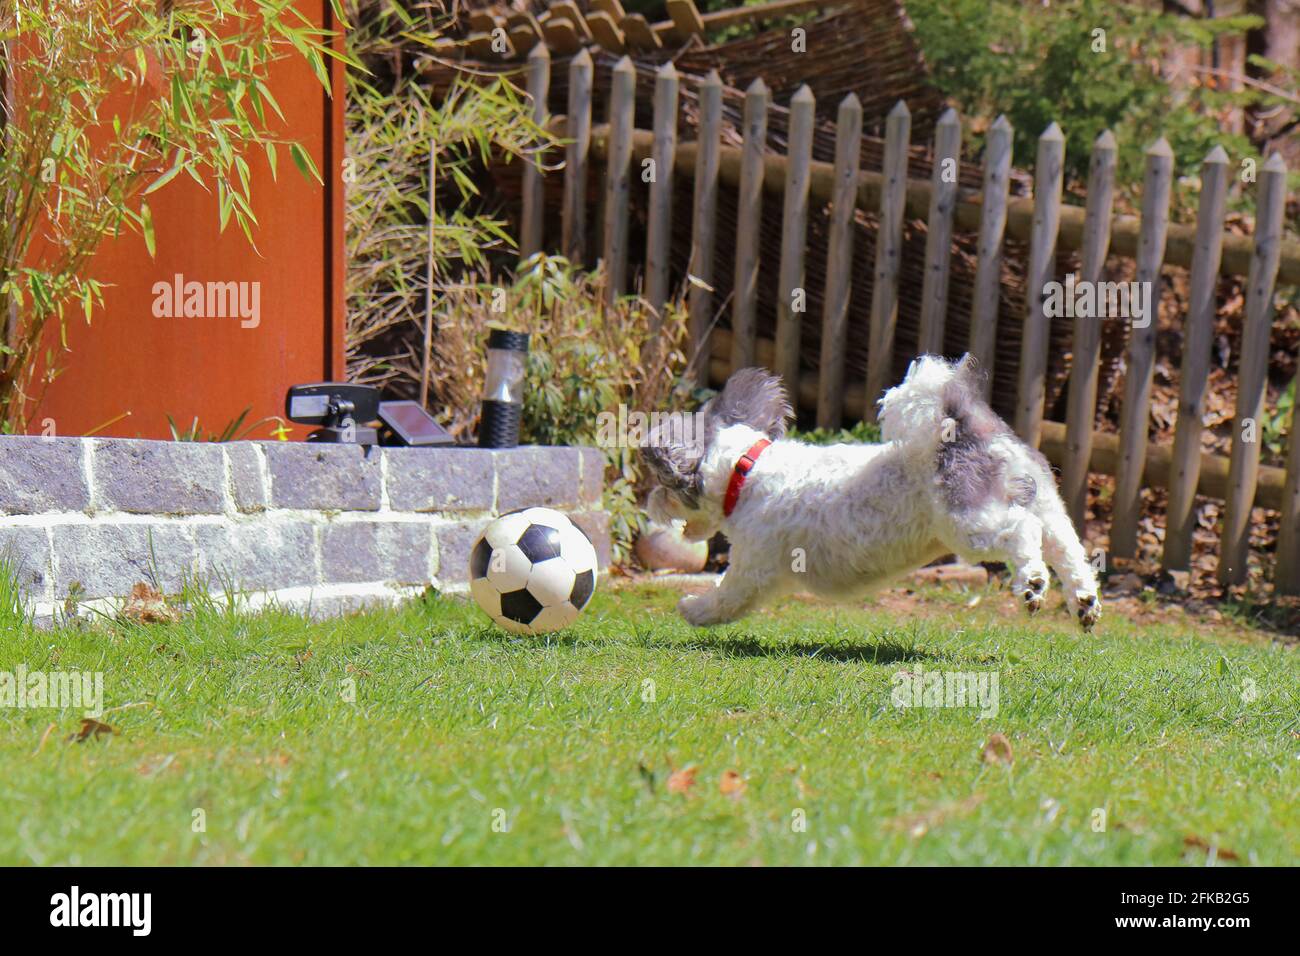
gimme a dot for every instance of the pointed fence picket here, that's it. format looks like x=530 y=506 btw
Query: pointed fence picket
x=794 y=229
x=744 y=308
x=1082 y=399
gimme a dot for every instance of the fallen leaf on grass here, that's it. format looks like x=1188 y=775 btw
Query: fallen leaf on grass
x=146 y=605
x=997 y=749
x=732 y=784
x=90 y=728
x=681 y=781
x=1194 y=842
x=919 y=824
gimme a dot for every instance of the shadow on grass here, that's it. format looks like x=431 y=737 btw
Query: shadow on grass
x=737 y=646
x=885 y=652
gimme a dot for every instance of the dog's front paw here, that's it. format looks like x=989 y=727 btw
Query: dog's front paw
x=1088 y=609
x=697 y=610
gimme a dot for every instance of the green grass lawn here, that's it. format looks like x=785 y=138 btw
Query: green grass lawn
x=462 y=744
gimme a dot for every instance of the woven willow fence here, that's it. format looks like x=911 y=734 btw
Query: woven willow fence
x=616 y=151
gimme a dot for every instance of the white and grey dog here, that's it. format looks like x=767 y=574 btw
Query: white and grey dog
x=844 y=520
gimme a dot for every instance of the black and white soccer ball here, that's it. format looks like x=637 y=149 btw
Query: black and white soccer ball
x=533 y=571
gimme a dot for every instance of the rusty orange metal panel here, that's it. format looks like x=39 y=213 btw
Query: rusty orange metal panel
x=132 y=360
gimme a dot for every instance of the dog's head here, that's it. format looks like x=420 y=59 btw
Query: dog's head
x=676 y=450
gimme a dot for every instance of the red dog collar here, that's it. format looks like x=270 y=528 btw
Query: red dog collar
x=738 y=476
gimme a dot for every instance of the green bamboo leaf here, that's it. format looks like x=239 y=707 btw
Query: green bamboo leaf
x=164 y=179
x=302 y=159
x=146 y=227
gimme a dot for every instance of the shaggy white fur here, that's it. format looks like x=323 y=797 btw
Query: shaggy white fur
x=844 y=520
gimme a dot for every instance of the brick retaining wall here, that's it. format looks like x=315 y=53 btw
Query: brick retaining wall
x=325 y=527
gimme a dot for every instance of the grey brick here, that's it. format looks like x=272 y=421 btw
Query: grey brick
x=107 y=559
x=158 y=477
x=28 y=549
x=259 y=555
x=536 y=476
x=38 y=475
x=358 y=551
x=455 y=541
x=593 y=475
x=439 y=479
x=247 y=483
x=596 y=525
x=324 y=477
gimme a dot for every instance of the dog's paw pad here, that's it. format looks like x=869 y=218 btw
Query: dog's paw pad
x=1089 y=611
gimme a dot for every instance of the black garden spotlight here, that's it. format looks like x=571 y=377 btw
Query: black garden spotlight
x=346 y=412
x=503 y=389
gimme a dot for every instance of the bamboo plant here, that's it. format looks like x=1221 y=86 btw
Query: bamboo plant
x=102 y=103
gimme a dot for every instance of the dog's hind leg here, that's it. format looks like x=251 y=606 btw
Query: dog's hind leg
x=1014 y=535
x=1024 y=546
x=1065 y=552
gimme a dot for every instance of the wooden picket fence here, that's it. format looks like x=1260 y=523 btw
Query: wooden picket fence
x=1043 y=221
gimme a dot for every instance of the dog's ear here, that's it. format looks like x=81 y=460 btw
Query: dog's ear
x=970 y=373
x=677 y=468
x=673 y=456
x=753 y=397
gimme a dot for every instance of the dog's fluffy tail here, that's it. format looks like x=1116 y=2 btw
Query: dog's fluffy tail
x=935 y=397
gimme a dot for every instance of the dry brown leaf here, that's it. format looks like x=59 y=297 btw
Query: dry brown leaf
x=997 y=749
x=732 y=784
x=1194 y=842
x=681 y=781
x=146 y=605
x=90 y=728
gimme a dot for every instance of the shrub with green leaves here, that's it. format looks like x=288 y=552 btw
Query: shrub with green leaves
x=586 y=357
x=859 y=433
x=1088 y=65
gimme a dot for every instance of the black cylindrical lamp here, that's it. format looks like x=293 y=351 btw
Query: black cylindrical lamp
x=503 y=389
